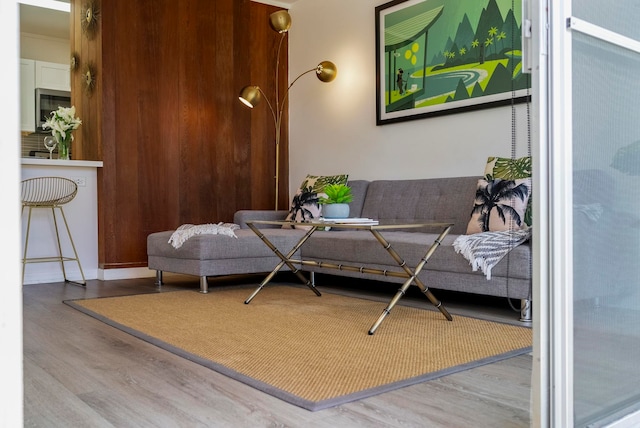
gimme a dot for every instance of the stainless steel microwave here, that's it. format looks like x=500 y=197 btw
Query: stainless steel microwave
x=48 y=100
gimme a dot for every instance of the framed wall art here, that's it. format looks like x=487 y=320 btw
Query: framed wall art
x=436 y=57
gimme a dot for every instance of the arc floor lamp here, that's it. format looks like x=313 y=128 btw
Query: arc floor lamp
x=251 y=95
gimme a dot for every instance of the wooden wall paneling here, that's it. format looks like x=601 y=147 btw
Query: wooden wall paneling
x=76 y=95
x=123 y=69
x=107 y=184
x=121 y=66
x=90 y=143
x=106 y=111
x=263 y=52
x=77 y=148
x=176 y=145
x=74 y=48
x=240 y=119
x=157 y=145
x=227 y=183
x=187 y=141
x=261 y=135
x=86 y=144
x=136 y=108
x=199 y=127
x=92 y=100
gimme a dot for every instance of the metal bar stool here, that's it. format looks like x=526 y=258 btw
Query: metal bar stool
x=49 y=192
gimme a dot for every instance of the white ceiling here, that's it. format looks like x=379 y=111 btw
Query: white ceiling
x=44 y=21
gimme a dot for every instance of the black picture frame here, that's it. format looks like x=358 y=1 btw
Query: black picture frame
x=437 y=57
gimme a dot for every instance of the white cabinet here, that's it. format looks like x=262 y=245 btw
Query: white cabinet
x=27 y=95
x=51 y=75
x=39 y=74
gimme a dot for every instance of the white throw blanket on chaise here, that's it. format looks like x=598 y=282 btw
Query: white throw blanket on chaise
x=484 y=250
x=186 y=231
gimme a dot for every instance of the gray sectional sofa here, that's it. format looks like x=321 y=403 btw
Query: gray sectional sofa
x=438 y=199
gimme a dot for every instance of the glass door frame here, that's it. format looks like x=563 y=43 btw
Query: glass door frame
x=552 y=137
x=552 y=370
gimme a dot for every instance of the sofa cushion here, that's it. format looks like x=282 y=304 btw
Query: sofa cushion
x=305 y=205
x=499 y=205
x=213 y=247
x=511 y=169
x=358 y=190
x=433 y=199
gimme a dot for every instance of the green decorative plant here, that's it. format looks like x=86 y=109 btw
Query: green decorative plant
x=336 y=194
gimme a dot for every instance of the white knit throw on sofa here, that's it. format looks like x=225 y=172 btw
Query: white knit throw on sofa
x=186 y=231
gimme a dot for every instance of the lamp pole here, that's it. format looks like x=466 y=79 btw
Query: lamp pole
x=250 y=96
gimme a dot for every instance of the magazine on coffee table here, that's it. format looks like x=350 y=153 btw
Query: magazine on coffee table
x=352 y=220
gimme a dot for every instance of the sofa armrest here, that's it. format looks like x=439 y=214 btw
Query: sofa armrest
x=242 y=216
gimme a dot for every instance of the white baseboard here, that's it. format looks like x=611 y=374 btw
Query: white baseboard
x=127 y=273
x=55 y=275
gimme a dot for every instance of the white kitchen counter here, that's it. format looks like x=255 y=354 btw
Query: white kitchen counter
x=60 y=163
x=82 y=216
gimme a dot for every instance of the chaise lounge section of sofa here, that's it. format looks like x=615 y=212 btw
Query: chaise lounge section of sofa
x=399 y=201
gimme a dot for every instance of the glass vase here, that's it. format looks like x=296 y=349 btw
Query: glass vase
x=64 y=147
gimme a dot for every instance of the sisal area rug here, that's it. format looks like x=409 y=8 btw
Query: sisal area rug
x=310 y=351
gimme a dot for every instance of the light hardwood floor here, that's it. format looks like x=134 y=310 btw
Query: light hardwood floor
x=79 y=372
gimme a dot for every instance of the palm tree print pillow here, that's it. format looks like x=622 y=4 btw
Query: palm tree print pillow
x=499 y=205
x=306 y=202
x=511 y=169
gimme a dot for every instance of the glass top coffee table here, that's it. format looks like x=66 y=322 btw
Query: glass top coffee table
x=410 y=274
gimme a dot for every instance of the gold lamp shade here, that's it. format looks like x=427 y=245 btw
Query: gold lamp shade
x=280 y=21
x=250 y=96
x=326 y=71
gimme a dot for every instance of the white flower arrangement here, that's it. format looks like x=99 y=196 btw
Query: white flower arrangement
x=62 y=122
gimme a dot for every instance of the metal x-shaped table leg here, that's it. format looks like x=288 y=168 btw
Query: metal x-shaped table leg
x=413 y=276
x=284 y=260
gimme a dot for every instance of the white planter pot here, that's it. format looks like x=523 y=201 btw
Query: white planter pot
x=335 y=210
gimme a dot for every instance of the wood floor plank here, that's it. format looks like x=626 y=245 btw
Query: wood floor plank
x=51 y=404
x=82 y=372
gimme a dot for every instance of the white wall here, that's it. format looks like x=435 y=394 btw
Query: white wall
x=333 y=126
x=11 y=388
x=41 y=48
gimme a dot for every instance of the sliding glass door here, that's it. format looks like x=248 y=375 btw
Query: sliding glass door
x=606 y=209
x=592 y=286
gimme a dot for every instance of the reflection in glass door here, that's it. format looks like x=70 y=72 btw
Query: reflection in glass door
x=605 y=64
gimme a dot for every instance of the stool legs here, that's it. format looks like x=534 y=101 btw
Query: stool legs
x=26 y=242
x=75 y=253
x=60 y=258
x=55 y=224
